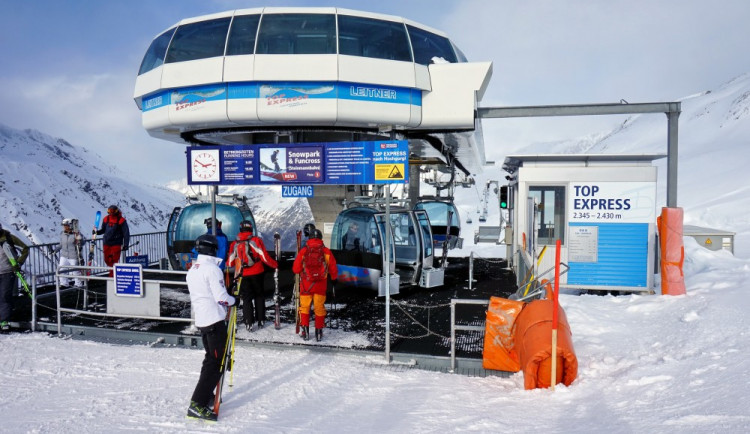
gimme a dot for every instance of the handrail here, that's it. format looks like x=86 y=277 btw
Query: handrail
x=67 y=271
x=43 y=260
x=455 y=327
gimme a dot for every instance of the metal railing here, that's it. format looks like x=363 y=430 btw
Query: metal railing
x=42 y=261
x=68 y=273
x=458 y=327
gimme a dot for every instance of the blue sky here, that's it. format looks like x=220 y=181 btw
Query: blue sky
x=69 y=66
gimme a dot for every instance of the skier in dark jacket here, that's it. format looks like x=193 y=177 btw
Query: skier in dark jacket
x=221 y=238
x=8 y=275
x=116 y=237
x=253 y=254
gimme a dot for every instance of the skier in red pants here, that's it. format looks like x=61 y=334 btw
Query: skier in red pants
x=116 y=237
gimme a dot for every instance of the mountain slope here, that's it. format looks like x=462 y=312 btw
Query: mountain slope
x=714 y=146
x=45 y=179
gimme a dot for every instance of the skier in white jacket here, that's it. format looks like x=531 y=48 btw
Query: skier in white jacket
x=210 y=300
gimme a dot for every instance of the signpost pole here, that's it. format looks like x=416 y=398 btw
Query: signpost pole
x=387 y=273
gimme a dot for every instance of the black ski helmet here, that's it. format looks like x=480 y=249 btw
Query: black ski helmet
x=208 y=222
x=308 y=230
x=207 y=245
x=317 y=234
x=246 y=226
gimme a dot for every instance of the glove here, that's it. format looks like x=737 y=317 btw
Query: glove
x=93 y=231
x=124 y=248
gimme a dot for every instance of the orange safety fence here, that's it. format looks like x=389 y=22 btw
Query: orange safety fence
x=499 y=353
x=532 y=342
x=672 y=251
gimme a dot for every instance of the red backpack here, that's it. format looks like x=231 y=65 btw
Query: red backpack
x=314 y=264
x=245 y=250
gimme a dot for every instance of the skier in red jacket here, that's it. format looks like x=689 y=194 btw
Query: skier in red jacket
x=251 y=250
x=314 y=263
x=116 y=237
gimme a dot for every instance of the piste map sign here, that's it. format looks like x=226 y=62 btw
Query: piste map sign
x=350 y=163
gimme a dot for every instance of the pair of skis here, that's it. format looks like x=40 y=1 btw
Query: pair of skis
x=276 y=296
x=227 y=361
x=97 y=221
x=295 y=294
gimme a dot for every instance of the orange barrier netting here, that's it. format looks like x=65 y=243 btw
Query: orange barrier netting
x=499 y=352
x=533 y=344
x=672 y=251
x=517 y=336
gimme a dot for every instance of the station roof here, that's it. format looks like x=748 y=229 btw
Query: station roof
x=513 y=162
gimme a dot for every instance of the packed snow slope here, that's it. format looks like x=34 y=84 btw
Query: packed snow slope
x=646 y=364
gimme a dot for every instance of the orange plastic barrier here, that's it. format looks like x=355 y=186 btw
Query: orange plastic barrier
x=672 y=251
x=499 y=352
x=533 y=342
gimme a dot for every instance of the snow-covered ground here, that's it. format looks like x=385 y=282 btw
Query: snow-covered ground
x=646 y=364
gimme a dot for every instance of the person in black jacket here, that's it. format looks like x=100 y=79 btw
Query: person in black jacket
x=116 y=237
x=8 y=275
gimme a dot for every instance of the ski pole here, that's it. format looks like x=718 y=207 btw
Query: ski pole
x=234 y=336
x=531 y=278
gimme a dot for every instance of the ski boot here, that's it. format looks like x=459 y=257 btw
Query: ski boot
x=197 y=411
x=4 y=327
x=261 y=324
x=305 y=332
x=318 y=334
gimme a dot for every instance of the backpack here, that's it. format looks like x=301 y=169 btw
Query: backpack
x=314 y=264
x=249 y=256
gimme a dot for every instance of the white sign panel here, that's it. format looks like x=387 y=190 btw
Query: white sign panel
x=583 y=244
x=612 y=202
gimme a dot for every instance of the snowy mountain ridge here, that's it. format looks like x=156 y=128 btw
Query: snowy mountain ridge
x=45 y=179
x=713 y=138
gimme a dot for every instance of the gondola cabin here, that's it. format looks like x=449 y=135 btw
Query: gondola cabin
x=188 y=223
x=444 y=221
x=357 y=243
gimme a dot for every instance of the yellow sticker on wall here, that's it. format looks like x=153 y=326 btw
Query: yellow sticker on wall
x=389 y=172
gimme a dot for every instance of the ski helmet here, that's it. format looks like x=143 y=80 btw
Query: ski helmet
x=113 y=209
x=67 y=222
x=308 y=230
x=246 y=226
x=207 y=245
x=317 y=234
x=209 y=223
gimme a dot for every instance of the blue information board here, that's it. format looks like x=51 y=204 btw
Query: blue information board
x=139 y=259
x=128 y=280
x=297 y=191
x=348 y=163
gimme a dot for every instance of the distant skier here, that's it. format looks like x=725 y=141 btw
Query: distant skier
x=251 y=250
x=116 y=237
x=8 y=275
x=314 y=263
x=221 y=238
x=308 y=230
x=71 y=243
x=209 y=299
